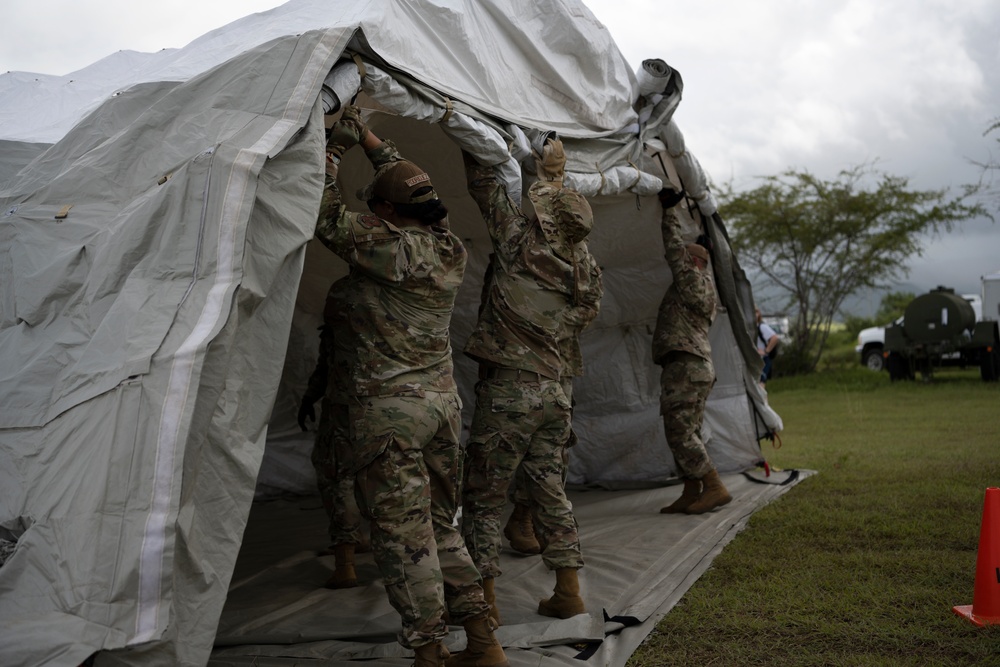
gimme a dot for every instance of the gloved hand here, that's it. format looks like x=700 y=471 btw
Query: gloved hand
x=306 y=411
x=347 y=132
x=551 y=164
x=670 y=197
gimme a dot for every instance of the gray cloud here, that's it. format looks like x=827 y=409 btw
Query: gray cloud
x=774 y=84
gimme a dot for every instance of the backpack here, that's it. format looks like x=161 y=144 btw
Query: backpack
x=774 y=350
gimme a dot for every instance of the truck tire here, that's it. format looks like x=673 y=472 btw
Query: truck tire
x=873 y=360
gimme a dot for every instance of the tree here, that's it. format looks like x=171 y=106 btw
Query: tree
x=890 y=308
x=893 y=305
x=818 y=242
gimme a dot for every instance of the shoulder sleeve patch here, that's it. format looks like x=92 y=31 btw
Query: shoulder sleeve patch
x=369 y=221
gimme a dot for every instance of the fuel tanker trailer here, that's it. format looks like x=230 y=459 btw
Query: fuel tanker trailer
x=940 y=328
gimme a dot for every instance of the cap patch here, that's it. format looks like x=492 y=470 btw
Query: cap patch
x=419 y=178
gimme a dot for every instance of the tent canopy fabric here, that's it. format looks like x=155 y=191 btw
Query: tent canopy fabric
x=160 y=291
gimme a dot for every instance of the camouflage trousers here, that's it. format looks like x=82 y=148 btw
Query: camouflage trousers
x=331 y=460
x=518 y=493
x=408 y=485
x=685 y=383
x=516 y=424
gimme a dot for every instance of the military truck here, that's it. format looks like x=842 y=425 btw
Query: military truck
x=937 y=326
x=871 y=341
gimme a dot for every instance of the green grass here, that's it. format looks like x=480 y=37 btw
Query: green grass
x=861 y=563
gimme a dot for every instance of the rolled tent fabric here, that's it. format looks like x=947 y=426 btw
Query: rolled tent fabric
x=688 y=168
x=340 y=85
x=653 y=76
x=659 y=88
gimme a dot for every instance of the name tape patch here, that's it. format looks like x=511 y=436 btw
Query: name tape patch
x=419 y=178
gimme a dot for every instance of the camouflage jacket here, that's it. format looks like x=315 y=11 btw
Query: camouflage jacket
x=535 y=300
x=399 y=296
x=590 y=289
x=688 y=308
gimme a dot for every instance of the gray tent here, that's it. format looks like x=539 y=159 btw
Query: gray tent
x=160 y=292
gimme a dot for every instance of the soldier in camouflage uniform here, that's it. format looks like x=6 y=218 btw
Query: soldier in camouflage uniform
x=332 y=449
x=681 y=347
x=541 y=272
x=406 y=269
x=520 y=529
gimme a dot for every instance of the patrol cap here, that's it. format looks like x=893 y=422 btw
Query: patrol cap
x=397 y=182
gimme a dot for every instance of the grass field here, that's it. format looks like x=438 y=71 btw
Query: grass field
x=861 y=563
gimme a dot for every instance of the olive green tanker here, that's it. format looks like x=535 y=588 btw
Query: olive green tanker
x=940 y=328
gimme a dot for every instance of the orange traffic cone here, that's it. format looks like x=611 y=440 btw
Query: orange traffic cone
x=985 y=607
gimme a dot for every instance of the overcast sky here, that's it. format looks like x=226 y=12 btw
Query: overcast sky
x=769 y=85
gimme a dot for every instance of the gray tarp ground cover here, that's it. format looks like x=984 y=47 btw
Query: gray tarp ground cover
x=159 y=292
x=639 y=563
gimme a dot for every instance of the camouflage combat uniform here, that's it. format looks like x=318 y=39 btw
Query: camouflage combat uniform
x=332 y=449
x=523 y=414
x=405 y=412
x=589 y=292
x=681 y=347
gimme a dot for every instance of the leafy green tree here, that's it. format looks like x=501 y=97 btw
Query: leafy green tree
x=853 y=324
x=817 y=242
x=892 y=306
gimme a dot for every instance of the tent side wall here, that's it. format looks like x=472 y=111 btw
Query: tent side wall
x=167 y=458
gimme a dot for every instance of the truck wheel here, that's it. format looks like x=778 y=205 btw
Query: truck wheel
x=989 y=365
x=873 y=360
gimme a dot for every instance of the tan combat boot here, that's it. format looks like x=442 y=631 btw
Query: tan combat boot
x=482 y=648
x=565 y=600
x=343 y=575
x=364 y=546
x=691 y=493
x=713 y=494
x=489 y=594
x=520 y=532
x=430 y=655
